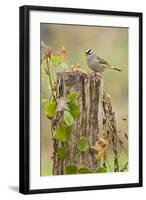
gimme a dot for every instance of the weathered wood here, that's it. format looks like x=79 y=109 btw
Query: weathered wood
x=89 y=88
x=109 y=125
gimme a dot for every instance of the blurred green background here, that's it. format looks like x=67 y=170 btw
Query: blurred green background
x=111 y=43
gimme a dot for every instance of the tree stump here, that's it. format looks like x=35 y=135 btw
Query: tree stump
x=89 y=88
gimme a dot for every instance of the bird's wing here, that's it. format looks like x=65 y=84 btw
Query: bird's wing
x=102 y=61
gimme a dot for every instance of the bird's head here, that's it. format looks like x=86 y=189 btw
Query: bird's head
x=88 y=52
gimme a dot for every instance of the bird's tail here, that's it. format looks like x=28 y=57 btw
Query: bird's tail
x=117 y=69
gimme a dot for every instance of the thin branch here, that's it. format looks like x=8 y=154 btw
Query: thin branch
x=122 y=146
x=49 y=75
x=108 y=165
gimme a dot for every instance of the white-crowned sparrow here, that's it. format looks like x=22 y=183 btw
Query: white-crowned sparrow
x=96 y=63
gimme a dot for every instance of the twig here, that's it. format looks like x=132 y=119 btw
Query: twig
x=108 y=165
x=49 y=75
x=122 y=146
x=125 y=167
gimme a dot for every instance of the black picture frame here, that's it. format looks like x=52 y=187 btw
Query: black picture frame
x=24 y=98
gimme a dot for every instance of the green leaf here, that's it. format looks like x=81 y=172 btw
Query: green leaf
x=61 y=153
x=52 y=58
x=50 y=108
x=84 y=170
x=74 y=109
x=71 y=169
x=68 y=118
x=59 y=59
x=62 y=133
x=72 y=96
x=83 y=144
x=101 y=170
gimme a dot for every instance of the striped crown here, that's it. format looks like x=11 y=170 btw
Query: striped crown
x=88 y=52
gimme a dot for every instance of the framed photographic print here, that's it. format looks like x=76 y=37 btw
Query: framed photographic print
x=80 y=99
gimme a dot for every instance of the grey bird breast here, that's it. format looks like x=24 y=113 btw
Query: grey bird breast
x=93 y=63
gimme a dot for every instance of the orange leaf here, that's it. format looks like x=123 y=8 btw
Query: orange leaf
x=63 y=52
x=100 y=148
